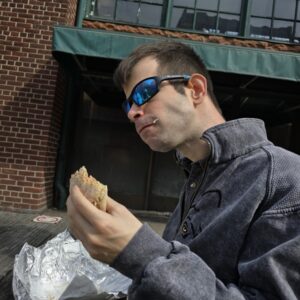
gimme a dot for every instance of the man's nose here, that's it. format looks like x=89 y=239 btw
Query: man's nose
x=135 y=112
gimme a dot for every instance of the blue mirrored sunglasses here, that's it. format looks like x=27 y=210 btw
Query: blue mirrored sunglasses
x=144 y=90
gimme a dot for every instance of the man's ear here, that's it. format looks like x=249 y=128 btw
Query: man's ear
x=198 y=87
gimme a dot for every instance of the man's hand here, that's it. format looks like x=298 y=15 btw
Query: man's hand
x=103 y=234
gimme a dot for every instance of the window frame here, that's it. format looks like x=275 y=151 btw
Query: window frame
x=272 y=18
x=244 y=30
x=91 y=5
x=218 y=12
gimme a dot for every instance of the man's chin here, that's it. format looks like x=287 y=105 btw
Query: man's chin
x=159 y=147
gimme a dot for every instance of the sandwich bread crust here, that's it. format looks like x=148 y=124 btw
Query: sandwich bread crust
x=92 y=189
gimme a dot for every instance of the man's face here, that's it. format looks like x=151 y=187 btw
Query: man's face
x=165 y=121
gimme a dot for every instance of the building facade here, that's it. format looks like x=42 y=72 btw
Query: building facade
x=55 y=119
x=31 y=101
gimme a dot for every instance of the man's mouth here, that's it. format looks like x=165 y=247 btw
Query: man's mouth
x=144 y=127
x=140 y=126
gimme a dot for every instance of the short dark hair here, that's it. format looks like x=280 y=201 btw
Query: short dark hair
x=173 y=58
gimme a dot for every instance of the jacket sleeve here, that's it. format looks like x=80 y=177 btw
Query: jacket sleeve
x=169 y=270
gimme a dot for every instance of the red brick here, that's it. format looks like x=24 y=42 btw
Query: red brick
x=15 y=188
x=25 y=184
x=9 y=171
x=28 y=78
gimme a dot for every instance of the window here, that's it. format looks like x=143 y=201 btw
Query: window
x=105 y=9
x=130 y=11
x=208 y=16
x=275 y=19
x=297 y=33
x=297 y=27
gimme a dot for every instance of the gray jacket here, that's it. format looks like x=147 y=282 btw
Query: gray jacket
x=235 y=233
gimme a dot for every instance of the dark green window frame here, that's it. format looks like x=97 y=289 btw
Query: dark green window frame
x=272 y=18
x=134 y=12
x=167 y=7
x=213 y=15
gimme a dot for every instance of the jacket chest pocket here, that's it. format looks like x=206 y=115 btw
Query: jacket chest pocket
x=204 y=210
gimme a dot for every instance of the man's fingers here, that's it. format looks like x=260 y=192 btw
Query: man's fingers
x=77 y=223
x=104 y=234
x=85 y=208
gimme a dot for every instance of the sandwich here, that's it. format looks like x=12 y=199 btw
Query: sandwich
x=92 y=189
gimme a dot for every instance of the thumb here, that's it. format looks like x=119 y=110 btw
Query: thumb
x=82 y=204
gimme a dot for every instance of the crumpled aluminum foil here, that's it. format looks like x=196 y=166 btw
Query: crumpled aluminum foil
x=63 y=269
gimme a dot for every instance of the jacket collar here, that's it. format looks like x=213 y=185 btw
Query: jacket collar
x=235 y=138
x=230 y=140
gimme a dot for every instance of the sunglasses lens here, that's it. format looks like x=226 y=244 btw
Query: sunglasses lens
x=126 y=106
x=144 y=91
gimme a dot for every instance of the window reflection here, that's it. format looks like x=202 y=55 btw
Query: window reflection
x=127 y=11
x=139 y=12
x=262 y=8
x=207 y=4
x=186 y=19
x=176 y=15
x=260 y=28
x=232 y=6
x=269 y=19
x=229 y=24
x=297 y=33
x=150 y=14
x=277 y=22
x=285 y=9
x=282 y=30
x=155 y=1
x=184 y=3
x=206 y=22
x=105 y=8
x=207 y=14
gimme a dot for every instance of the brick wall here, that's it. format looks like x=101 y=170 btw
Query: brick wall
x=30 y=111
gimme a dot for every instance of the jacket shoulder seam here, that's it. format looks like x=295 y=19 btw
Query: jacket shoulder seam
x=269 y=185
x=283 y=211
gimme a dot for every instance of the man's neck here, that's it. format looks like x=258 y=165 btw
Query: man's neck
x=198 y=149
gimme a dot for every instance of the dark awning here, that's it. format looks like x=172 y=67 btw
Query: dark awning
x=223 y=58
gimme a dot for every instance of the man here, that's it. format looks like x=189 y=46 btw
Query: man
x=235 y=233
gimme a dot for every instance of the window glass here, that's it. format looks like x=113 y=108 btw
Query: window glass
x=105 y=8
x=229 y=24
x=285 y=9
x=232 y=6
x=298 y=14
x=282 y=30
x=262 y=8
x=184 y=3
x=150 y=14
x=182 y=18
x=208 y=4
x=155 y=1
x=206 y=22
x=260 y=28
x=176 y=14
x=127 y=11
x=297 y=34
